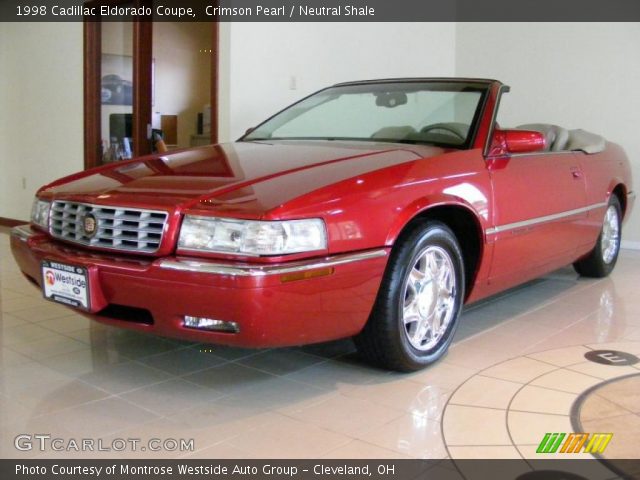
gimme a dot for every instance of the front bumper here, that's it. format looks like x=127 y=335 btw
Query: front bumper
x=271 y=307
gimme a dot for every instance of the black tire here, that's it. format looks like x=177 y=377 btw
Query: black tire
x=385 y=340
x=600 y=262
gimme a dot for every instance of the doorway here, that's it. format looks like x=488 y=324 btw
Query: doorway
x=145 y=79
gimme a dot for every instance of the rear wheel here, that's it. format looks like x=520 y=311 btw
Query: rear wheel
x=601 y=260
x=416 y=312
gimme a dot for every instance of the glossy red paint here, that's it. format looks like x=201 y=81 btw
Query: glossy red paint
x=365 y=192
x=271 y=313
x=518 y=141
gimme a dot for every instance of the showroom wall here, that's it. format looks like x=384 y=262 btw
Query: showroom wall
x=581 y=75
x=44 y=70
x=576 y=75
x=42 y=132
x=269 y=70
x=4 y=98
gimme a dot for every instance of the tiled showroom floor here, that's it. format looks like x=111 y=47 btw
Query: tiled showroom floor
x=514 y=371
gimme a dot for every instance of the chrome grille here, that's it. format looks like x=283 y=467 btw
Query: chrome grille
x=117 y=228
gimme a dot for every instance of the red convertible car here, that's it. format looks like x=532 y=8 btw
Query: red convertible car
x=371 y=210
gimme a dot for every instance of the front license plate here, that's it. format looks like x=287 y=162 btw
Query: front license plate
x=66 y=284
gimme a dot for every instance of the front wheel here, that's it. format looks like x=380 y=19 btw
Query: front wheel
x=601 y=260
x=420 y=299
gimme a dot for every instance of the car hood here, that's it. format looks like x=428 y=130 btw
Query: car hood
x=197 y=177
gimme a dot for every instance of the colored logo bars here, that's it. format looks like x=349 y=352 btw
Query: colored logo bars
x=574 y=443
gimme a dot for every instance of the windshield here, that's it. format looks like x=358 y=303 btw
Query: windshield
x=437 y=113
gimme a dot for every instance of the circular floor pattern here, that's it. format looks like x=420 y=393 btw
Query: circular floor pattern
x=504 y=411
x=612 y=406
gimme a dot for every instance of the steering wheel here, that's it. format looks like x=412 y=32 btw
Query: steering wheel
x=447 y=128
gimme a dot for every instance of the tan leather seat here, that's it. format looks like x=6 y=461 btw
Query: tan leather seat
x=586 y=142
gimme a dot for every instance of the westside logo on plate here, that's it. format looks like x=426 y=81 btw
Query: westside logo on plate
x=66 y=284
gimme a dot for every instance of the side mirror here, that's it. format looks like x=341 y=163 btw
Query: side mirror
x=249 y=130
x=517 y=141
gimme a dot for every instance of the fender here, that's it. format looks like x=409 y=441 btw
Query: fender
x=479 y=273
x=429 y=202
x=621 y=171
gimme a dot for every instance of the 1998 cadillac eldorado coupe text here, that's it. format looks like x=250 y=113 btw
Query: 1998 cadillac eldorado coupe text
x=371 y=210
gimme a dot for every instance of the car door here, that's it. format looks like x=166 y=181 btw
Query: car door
x=539 y=204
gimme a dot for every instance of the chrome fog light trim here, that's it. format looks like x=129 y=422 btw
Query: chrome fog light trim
x=202 y=323
x=22 y=232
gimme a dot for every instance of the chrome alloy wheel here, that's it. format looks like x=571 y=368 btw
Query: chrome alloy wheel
x=610 y=240
x=428 y=302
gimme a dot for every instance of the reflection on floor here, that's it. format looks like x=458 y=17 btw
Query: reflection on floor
x=512 y=374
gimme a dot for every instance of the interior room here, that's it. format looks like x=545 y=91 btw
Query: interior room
x=518 y=366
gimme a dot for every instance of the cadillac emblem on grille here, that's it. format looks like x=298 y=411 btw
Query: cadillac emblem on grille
x=89 y=225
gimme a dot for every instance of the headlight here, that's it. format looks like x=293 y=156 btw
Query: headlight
x=250 y=237
x=40 y=213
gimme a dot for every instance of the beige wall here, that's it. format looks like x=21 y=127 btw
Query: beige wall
x=41 y=114
x=265 y=57
x=578 y=75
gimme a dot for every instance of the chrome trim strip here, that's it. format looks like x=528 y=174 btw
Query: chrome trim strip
x=546 y=218
x=22 y=232
x=246 y=270
x=543 y=152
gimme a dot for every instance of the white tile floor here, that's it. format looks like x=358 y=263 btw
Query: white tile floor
x=516 y=363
